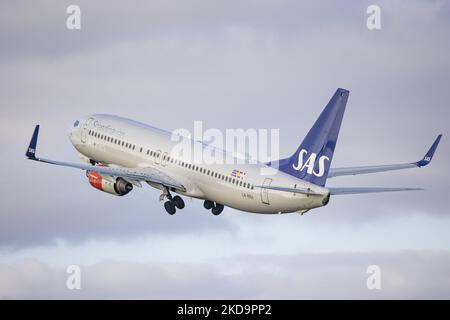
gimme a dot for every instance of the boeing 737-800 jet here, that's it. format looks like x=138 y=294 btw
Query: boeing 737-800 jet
x=120 y=154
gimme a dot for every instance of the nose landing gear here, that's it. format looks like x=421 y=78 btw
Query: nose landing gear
x=172 y=203
x=216 y=208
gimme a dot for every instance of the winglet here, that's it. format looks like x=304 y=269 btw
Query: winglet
x=31 y=151
x=429 y=155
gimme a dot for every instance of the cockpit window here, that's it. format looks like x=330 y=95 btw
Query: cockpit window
x=76 y=123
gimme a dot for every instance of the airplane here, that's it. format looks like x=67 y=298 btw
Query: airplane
x=120 y=154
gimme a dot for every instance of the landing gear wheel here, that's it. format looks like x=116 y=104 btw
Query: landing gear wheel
x=170 y=207
x=217 y=209
x=178 y=202
x=208 y=204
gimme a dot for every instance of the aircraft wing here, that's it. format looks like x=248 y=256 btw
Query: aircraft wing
x=341 y=191
x=148 y=174
x=336 y=172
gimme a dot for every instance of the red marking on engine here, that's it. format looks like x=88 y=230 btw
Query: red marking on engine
x=95 y=179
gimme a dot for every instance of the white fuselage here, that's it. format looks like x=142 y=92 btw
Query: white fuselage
x=113 y=140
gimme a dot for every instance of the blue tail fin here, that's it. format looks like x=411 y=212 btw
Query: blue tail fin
x=311 y=162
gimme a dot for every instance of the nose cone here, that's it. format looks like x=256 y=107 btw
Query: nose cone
x=71 y=135
x=74 y=132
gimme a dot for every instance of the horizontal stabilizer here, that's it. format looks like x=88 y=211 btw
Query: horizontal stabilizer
x=293 y=190
x=339 y=191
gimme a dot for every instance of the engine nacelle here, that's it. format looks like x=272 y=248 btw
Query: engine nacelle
x=117 y=187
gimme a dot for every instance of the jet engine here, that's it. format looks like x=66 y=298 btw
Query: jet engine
x=117 y=187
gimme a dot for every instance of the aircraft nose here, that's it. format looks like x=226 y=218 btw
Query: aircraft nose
x=74 y=129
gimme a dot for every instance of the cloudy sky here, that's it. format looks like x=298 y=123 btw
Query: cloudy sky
x=232 y=64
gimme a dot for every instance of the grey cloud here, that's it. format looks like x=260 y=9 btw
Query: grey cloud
x=404 y=275
x=39 y=31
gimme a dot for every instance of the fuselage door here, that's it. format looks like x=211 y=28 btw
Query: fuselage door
x=264 y=191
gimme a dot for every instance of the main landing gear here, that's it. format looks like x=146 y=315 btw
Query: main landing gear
x=216 y=208
x=172 y=203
